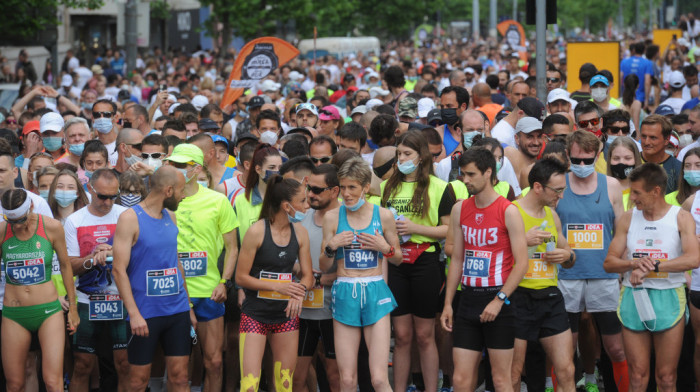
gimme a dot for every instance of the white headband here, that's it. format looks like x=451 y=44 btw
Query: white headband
x=19 y=211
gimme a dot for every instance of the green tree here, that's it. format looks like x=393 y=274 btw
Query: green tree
x=25 y=19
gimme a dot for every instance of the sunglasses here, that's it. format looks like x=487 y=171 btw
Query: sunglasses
x=317 y=190
x=553 y=80
x=105 y=197
x=102 y=114
x=11 y=122
x=154 y=155
x=624 y=130
x=322 y=159
x=380 y=171
x=578 y=161
x=584 y=123
x=136 y=146
x=17 y=221
x=325 y=112
x=555 y=190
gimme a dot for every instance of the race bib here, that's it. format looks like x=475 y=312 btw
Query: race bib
x=194 y=263
x=26 y=272
x=106 y=307
x=357 y=258
x=654 y=255
x=476 y=264
x=585 y=236
x=314 y=298
x=162 y=282
x=538 y=268
x=274 y=277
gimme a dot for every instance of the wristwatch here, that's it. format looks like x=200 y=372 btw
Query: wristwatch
x=228 y=283
x=328 y=251
x=503 y=297
x=656 y=265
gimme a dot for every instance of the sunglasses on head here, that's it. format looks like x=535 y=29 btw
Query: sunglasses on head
x=380 y=171
x=16 y=221
x=553 y=80
x=317 y=190
x=154 y=155
x=322 y=159
x=584 y=123
x=624 y=130
x=136 y=145
x=102 y=114
x=326 y=112
x=578 y=161
x=104 y=197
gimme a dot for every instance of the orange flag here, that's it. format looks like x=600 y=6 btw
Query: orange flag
x=515 y=36
x=257 y=59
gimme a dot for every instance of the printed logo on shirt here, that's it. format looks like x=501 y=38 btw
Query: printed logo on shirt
x=401 y=205
x=480 y=237
x=479 y=218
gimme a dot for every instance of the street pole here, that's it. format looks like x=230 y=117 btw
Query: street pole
x=620 y=18
x=637 y=17
x=130 y=34
x=475 y=20
x=651 y=15
x=515 y=10
x=541 y=30
x=493 y=9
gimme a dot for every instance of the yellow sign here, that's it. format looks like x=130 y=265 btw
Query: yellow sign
x=663 y=36
x=585 y=236
x=604 y=55
x=277 y=278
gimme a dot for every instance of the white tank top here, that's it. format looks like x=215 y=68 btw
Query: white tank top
x=695 y=212
x=659 y=240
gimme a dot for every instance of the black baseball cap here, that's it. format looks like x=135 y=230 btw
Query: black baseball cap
x=255 y=102
x=246 y=136
x=434 y=116
x=207 y=124
x=532 y=107
x=301 y=130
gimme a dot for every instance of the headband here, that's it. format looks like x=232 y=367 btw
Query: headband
x=19 y=211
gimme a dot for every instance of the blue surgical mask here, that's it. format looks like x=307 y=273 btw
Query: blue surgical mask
x=611 y=138
x=203 y=183
x=150 y=83
x=582 y=171
x=243 y=114
x=88 y=174
x=220 y=88
x=499 y=165
x=692 y=176
x=407 y=167
x=44 y=194
x=103 y=125
x=356 y=206
x=469 y=138
x=269 y=174
x=76 y=149
x=65 y=197
x=298 y=216
x=52 y=143
x=130 y=199
x=132 y=159
x=184 y=173
x=86 y=105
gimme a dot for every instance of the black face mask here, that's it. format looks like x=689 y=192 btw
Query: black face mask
x=126 y=124
x=380 y=171
x=621 y=170
x=449 y=116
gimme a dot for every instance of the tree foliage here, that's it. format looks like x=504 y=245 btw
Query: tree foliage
x=25 y=19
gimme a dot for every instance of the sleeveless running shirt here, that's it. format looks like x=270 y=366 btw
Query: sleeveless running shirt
x=156 y=282
x=488 y=259
x=27 y=262
x=540 y=274
x=659 y=240
x=272 y=263
x=353 y=256
x=587 y=223
x=695 y=211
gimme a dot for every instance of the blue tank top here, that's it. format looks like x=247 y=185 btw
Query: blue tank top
x=449 y=142
x=228 y=173
x=587 y=222
x=156 y=282
x=359 y=258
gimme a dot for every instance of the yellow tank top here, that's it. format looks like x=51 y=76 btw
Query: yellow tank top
x=540 y=274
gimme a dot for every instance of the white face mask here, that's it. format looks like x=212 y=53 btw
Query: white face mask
x=599 y=94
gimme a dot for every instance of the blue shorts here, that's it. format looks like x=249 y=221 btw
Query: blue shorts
x=360 y=302
x=205 y=309
x=670 y=307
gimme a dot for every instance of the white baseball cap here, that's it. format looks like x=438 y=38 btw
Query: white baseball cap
x=66 y=80
x=269 y=85
x=377 y=91
x=425 y=105
x=373 y=102
x=295 y=76
x=676 y=79
x=51 y=121
x=199 y=101
x=557 y=94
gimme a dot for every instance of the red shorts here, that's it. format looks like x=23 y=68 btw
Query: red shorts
x=250 y=325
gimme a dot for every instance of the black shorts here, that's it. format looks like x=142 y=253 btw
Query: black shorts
x=694 y=298
x=171 y=332
x=89 y=334
x=416 y=287
x=470 y=333
x=310 y=332
x=539 y=313
x=607 y=322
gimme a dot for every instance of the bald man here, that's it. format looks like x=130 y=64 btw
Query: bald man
x=128 y=148
x=219 y=172
x=153 y=290
x=383 y=162
x=481 y=94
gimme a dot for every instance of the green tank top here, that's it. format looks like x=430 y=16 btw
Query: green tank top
x=27 y=262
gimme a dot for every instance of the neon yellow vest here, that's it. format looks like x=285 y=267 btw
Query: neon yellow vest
x=246 y=213
x=540 y=274
x=462 y=193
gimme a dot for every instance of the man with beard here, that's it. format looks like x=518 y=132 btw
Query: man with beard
x=528 y=137
x=316 y=319
x=151 y=282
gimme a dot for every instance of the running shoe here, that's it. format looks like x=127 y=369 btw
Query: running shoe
x=591 y=387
